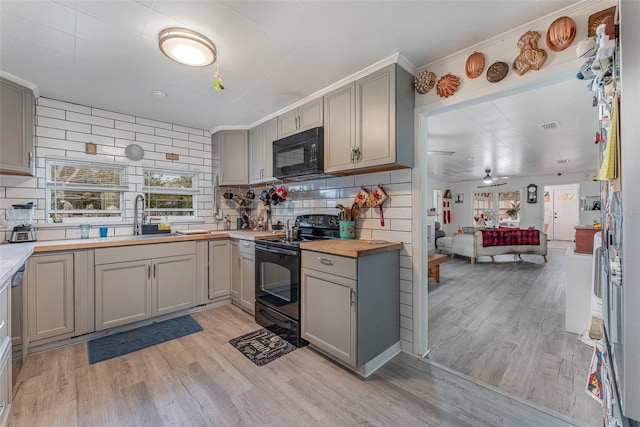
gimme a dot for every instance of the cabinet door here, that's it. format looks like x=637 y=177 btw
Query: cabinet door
x=16 y=122
x=339 y=129
x=50 y=296
x=288 y=123
x=234 y=158
x=248 y=292
x=329 y=314
x=236 y=271
x=219 y=274
x=123 y=293
x=270 y=134
x=256 y=154
x=311 y=115
x=174 y=284
x=375 y=118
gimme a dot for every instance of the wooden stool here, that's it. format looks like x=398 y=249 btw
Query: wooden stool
x=434 y=261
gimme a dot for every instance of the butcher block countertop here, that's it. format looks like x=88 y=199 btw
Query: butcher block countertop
x=351 y=248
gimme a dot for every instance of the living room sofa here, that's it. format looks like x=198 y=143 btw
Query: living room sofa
x=499 y=242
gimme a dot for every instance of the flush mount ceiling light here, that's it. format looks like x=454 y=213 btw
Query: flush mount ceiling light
x=187 y=47
x=159 y=94
x=487 y=179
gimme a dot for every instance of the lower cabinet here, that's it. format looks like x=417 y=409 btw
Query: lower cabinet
x=5 y=352
x=157 y=279
x=351 y=307
x=219 y=263
x=243 y=276
x=59 y=292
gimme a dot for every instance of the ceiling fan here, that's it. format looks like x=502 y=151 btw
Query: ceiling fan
x=489 y=180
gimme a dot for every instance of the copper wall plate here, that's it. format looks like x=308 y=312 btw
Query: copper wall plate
x=561 y=33
x=497 y=71
x=447 y=85
x=475 y=65
x=424 y=82
x=598 y=18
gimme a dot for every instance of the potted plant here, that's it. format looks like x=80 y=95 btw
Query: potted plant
x=513 y=211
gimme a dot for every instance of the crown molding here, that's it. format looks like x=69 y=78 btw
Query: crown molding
x=34 y=87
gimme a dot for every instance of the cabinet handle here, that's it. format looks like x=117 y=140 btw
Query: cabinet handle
x=2 y=324
x=352 y=155
x=154 y=271
x=357 y=154
x=30 y=158
x=325 y=261
x=3 y=407
x=149 y=273
x=352 y=297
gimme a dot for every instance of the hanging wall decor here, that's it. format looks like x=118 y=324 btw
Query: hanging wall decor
x=530 y=58
x=424 y=82
x=475 y=65
x=561 y=33
x=447 y=85
x=497 y=71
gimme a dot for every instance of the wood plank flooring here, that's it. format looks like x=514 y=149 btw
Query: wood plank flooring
x=201 y=380
x=503 y=324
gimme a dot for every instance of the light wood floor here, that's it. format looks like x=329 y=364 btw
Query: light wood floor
x=201 y=380
x=503 y=324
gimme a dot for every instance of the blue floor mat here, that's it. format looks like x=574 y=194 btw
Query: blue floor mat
x=115 y=345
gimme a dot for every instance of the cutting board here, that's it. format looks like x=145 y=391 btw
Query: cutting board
x=189 y=232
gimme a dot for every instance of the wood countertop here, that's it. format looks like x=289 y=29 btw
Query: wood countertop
x=106 y=242
x=350 y=248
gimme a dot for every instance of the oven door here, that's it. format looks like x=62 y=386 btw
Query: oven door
x=278 y=279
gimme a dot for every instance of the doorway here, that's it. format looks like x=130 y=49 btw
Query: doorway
x=561 y=211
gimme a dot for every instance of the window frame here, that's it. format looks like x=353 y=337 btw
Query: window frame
x=193 y=191
x=52 y=186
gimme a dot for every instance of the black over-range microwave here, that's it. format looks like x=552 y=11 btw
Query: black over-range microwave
x=300 y=155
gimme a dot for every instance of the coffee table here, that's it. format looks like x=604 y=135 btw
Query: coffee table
x=434 y=261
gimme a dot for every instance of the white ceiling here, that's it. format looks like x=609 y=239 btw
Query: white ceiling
x=274 y=53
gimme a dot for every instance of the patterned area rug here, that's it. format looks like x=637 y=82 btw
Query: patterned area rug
x=262 y=346
x=136 y=339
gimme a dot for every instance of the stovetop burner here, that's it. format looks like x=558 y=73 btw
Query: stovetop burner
x=312 y=227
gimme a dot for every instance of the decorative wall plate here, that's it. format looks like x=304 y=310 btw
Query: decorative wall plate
x=424 y=82
x=475 y=65
x=497 y=71
x=561 y=33
x=530 y=58
x=134 y=152
x=447 y=85
x=598 y=18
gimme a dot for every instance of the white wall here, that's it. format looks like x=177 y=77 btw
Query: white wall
x=63 y=128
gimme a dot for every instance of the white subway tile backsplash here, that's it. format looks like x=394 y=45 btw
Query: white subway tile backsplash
x=116 y=133
x=59 y=144
x=184 y=129
x=400 y=224
x=401 y=175
x=406 y=298
x=47 y=152
x=62 y=124
x=92 y=120
x=206 y=140
x=406 y=311
x=406 y=323
x=153 y=123
x=172 y=134
x=48 y=102
x=50 y=132
x=153 y=139
x=87 y=137
x=112 y=115
x=133 y=127
x=55 y=113
x=171 y=149
x=372 y=179
x=24 y=193
x=399 y=200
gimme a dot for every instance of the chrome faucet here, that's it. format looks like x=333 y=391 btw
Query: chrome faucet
x=137 y=227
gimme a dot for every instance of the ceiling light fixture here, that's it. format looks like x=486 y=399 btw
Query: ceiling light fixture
x=487 y=179
x=187 y=47
x=549 y=125
x=159 y=94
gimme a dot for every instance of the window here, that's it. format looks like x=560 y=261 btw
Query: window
x=170 y=193
x=509 y=207
x=482 y=207
x=77 y=189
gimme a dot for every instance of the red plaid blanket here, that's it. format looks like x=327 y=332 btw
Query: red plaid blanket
x=494 y=237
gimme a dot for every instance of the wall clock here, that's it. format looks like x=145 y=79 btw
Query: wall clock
x=532 y=193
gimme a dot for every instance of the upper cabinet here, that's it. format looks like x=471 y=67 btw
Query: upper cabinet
x=369 y=123
x=261 y=140
x=16 y=138
x=234 y=154
x=307 y=116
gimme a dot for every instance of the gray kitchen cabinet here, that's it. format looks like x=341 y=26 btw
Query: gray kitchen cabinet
x=305 y=117
x=6 y=385
x=219 y=273
x=59 y=291
x=134 y=284
x=374 y=130
x=261 y=140
x=234 y=156
x=16 y=122
x=243 y=292
x=351 y=307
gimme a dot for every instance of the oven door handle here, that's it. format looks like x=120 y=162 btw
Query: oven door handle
x=276 y=250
